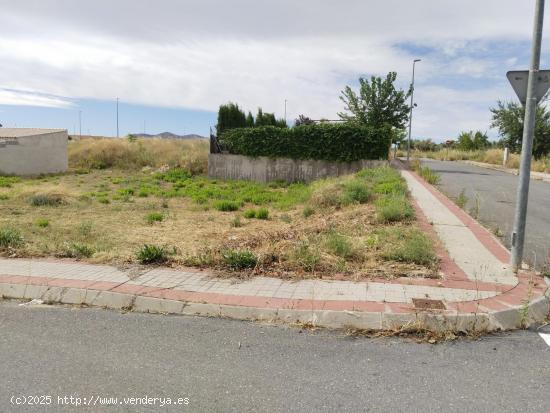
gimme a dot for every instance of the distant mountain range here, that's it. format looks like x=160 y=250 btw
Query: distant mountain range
x=168 y=135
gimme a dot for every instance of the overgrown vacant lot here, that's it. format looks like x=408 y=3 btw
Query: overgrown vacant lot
x=162 y=209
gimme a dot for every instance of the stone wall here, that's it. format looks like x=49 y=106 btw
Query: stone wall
x=262 y=169
x=33 y=151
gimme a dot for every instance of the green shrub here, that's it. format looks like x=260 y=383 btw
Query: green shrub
x=10 y=238
x=154 y=217
x=339 y=245
x=308 y=211
x=430 y=176
x=393 y=208
x=152 y=254
x=462 y=199
x=7 y=181
x=174 y=175
x=42 y=223
x=103 y=200
x=46 y=200
x=226 y=206
x=76 y=250
x=333 y=142
x=356 y=191
x=410 y=246
x=238 y=260
x=262 y=213
x=4 y=197
x=250 y=213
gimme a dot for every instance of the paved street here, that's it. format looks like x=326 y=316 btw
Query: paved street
x=93 y=352
x=496 y=192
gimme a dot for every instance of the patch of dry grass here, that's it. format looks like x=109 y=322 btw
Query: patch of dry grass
x=105 y=153
x=103 y=217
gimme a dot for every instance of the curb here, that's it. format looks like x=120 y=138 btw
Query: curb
x=537 y=176
x=478 y=320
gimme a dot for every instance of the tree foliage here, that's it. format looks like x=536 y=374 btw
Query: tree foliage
x=472 y=141
x=508 y=118
x=303 y=120
x=230 y=116
x=327 y=141
x=378 y=103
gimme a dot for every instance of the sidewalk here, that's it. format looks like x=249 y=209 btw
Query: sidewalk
x=477 y=291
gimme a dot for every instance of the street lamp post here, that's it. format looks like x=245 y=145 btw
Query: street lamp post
x=518 y=233
x=117 y=117
x=411 y=112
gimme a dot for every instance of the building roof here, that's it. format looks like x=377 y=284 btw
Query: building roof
x=21 y=132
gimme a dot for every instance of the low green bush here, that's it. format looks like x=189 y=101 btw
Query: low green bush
x=356 y=191
x=154 y=217
x=262 y=213
x=250 y=213
x=339 y=245
x=411 y=246
x=152 y=254
x=326 y=141
x=226 y=206
x=238 y=260
x=393 y=208
x=46 y=200
x=77 y=250
x=7 y=181
x=10 y=238
x=42 y=223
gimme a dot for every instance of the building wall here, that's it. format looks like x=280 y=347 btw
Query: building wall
x=262 y=169
x=42 y=153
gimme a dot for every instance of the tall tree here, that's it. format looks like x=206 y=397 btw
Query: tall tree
x=377 y=103
x=230 y=116
x=249 y=120
x=508 y=119
x=470 y=141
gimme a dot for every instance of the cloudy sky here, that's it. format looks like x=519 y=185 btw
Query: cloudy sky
x=172 y=62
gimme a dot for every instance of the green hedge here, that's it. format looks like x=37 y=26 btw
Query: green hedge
x=326 y=141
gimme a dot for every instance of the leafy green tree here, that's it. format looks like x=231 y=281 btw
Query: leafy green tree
x=268 y=119
x=508 y=119
x=303 y=120
x=230 y=116
x=249 y=120
x=470 y=141
x=378 y=103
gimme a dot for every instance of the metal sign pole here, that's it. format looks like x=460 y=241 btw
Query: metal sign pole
x=411 y=113
x=518 y=234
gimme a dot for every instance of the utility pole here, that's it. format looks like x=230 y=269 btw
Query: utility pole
x=518 y=234
x=411 y=112
x=117 y=117
x=80 y=124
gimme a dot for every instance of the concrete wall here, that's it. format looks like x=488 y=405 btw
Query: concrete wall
x=33 y=151
x=262 y=169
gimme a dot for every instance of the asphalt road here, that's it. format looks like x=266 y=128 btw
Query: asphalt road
x=229 y=366
x=491 y=196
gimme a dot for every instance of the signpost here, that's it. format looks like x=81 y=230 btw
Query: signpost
x=530 y=92
x=519 y=79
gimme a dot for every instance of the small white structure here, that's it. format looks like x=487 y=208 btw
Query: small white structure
x=28 y=151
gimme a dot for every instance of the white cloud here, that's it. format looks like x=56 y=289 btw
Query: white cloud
x=198 y=54
x=24 y=98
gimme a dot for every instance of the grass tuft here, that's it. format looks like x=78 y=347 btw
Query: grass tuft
x=10 y=238
x=227 y=206
x=152 y=254
x=393 y=209
x=238 y=260
x=154 y=217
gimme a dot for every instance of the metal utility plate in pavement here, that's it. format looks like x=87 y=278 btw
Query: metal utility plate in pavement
x=518 y=79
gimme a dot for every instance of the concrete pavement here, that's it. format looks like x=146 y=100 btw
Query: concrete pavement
x=234 y=366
